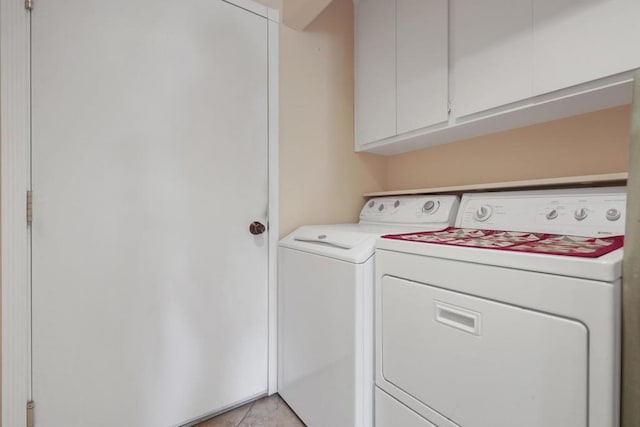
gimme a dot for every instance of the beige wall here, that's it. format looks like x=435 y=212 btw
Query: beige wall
x=321 y=178
x=592 y=143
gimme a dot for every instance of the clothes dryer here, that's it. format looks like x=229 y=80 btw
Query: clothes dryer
x=512 y=318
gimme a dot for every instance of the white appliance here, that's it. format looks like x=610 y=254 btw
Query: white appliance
x=476 y=337
x=325 y=299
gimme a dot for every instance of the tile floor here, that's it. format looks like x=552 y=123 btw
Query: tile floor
x=269 y=411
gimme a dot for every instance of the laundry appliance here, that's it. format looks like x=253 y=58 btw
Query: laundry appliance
x=325 y=314
x=511 y=318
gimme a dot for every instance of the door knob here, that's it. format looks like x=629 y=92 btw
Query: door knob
x=257 y=228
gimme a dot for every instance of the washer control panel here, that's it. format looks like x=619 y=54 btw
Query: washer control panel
x=410 y=210
x=589 y=212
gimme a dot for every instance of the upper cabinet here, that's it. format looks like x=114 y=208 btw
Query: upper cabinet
x=422 y=65
x=375 y=68
x=431 y=71
x=577 y=41
x=492 y=50
x=401 y=62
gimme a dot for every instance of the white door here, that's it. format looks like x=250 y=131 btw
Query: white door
x=149 y=164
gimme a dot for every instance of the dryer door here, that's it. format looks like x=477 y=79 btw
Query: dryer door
x=481 y=363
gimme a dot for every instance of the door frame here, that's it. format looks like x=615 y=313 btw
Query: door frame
x=15 y=180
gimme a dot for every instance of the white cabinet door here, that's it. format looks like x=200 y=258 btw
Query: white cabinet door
x=375 y=75
x=576 y=41
x=492 y=47
x=149 y=160
x=422 y=63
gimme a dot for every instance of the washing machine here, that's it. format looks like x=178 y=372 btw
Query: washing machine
x=325 y=308
x=510 y=318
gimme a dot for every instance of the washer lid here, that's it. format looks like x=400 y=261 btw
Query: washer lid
x=337 y=238
x=347 y=242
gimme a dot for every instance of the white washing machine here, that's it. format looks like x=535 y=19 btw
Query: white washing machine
x=325 y=300
x=473 y=329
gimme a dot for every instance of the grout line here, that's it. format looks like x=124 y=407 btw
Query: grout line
x=246 y=413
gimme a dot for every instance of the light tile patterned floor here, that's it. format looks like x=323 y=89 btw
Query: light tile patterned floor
x=269 y=411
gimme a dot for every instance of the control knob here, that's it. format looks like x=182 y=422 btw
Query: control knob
x=372 y=203
x=580 y=214
x=430 y=207
x=483 y=213
x=552 y=214
x=613 y=214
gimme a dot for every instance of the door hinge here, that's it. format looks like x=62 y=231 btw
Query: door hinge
x=28 y=4
x=30 y=406
x=29 y=207
x=449 y=108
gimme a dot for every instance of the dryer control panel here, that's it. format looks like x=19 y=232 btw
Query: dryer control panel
x=591 y=212
x=411 y=210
